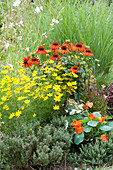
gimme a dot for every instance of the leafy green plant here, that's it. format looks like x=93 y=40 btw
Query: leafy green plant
x=86 y=126
x=94 y=154
x=29 y=144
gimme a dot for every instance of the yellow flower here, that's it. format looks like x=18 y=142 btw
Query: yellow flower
x=69 y=84
x=50 y=94
x=57 y=98
x=21 y=98
x=34 y=115
x=11 y=115
x=5 y=71
x=30 y=129
x=0 y=115
x=6 y=107
x=4 y=98
x=29 y=136
x=40 y=128
x=1 y=103
x=56 y=107
x=18 y=113
x=22 y=107
x=27 y=101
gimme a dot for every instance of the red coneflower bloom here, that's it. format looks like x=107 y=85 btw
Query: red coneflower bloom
x=88 y=52
x=64 y=49
x=41 y=50
x=55 y=56
x=79 y=130
x=34 y=61
x=79 y=47
x=55 y=45
x=27 y=62
x=74 y=69
x=85 y=106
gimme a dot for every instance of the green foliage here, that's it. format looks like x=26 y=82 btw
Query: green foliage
x=94 y=154
x=38 y=148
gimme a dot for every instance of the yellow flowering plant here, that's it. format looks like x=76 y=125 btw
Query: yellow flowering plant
x=42 y=87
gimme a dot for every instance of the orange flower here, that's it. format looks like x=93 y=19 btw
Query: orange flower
x=102 y=119
x=27 y=62
x=64 y=49
x=55 y=46
x=79 y=47
x=55 y=56
x=85 y=106
x=90 y=104
x=79 y=130
x=74 y=69
x=91 y=116
x=104 y=137
x=41 y=50
x=76 y=123
x=68 y=43
x=34 y=61
x=88 y=52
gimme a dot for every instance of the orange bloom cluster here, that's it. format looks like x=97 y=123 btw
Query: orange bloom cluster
x=91 y=116
x=88 y=104
x=88 y=52
x=102 y=119
x=77 y=125
x=104 y=137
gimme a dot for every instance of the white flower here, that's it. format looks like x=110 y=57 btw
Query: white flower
x=98 y=65
x=52 y=24
x=41 y=8
x=105 y=96
x=103 y=86
x=16 y=3
x=27 y=49
x=11 y=25
x=10 y=66
x=37 y=10
x=6 y=45
x=55 y=21
x=21 y=23
x=19 y=38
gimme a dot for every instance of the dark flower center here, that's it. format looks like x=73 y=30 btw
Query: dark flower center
x=79 y=45
x=41 y=48
x=88 y=50
x=26 y=62
x=55 y=43
x=64 y=47
x=55 y=55
x=34 y=59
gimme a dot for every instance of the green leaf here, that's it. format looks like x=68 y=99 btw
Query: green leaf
x=109 y=124
x=92 y=123
x=105 y=128
x=96 y=114
x=87 y=129
x=84 y=120
x=70 y=108
x=78 y=138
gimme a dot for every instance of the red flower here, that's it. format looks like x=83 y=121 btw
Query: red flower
x=34 y=61
x=74 y=69
x=27 y=62
x=68 y=42
x=79 y=130
x=79 y=47
x=41 y=50
x=55 y=56
x=91 y=116
x=104 y=137
x=85 y=106
x=64 y=49
x=55 y=46
x=102 y=119
x=76 y=123
x=88 y=52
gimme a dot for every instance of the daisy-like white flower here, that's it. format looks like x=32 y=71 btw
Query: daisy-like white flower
x=16 y=3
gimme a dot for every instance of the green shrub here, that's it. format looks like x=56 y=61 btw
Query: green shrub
x=29 y=145
x=94 y=154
